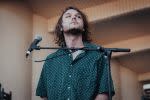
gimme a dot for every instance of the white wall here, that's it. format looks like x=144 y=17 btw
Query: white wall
x=15 y=35
x=40 y=27
x=130 y=86
x=115 y=71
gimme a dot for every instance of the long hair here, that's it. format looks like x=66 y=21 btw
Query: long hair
x=59 y=36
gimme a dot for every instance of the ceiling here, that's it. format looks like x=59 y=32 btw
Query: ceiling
x=128 y=23
x=122 y=27
x=52 y=8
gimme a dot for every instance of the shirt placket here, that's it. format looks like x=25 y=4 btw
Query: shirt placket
x=70 y=75
x=69 y=86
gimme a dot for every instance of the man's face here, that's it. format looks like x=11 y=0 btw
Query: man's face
x=72 y=19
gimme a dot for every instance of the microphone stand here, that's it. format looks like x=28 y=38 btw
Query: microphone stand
x=107 y=56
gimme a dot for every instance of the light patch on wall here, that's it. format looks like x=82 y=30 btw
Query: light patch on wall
x=146 y=86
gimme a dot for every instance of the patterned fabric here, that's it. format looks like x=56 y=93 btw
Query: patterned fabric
x=63 y=78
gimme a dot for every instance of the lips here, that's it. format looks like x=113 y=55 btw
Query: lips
x=74 y=22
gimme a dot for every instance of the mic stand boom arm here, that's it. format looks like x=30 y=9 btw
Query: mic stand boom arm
x=86 y=48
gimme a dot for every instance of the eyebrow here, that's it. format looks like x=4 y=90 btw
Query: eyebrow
x=70 y=13
x=66 y=13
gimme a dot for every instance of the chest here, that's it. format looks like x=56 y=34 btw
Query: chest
x=82 y=66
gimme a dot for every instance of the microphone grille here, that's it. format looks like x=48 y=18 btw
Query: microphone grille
x=38 y=37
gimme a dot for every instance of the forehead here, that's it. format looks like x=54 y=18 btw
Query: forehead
x=72 y=11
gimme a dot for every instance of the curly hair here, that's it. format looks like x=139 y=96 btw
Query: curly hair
x=59 y=36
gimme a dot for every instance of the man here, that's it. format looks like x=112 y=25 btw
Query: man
x=74 y=75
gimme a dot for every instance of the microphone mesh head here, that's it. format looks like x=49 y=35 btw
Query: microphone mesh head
x=38 y=37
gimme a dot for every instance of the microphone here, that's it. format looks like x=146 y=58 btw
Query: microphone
x=37 y=39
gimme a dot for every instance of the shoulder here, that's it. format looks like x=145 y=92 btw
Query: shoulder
x=95 y=50
x=94 y=47
x=91 y=45
x=50 y=58
x=53 y=54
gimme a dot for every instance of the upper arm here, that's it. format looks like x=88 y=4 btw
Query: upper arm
x=41 y=87
x=103 y=77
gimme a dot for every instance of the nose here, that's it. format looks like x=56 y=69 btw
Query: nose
x=73 y=17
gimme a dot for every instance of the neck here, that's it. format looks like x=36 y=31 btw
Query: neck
x=73 y=41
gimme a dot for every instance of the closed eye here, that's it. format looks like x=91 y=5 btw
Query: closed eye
x=67 y=16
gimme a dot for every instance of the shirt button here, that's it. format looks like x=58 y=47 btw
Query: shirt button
x=69 y=54
x=69 y=75
x=71 y=65
x=69 y=87
x=68 y=99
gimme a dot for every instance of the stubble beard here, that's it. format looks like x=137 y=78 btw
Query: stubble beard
x=74 y=32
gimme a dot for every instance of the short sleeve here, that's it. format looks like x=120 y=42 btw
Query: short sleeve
x=103 y=77
x=41 y=87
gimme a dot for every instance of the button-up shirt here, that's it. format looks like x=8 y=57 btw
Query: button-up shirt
x=63 y=78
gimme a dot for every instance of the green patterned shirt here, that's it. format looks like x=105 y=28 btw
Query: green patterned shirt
x=63 y=78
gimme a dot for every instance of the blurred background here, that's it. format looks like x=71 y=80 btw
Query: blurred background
x=113 y=23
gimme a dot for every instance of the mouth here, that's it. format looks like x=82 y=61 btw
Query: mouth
x=74 y=23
